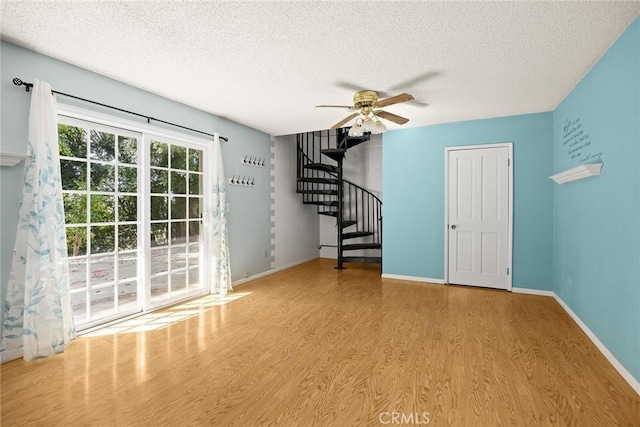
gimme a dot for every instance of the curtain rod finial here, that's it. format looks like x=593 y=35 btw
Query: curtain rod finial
x=19 y=82
x=222 y=138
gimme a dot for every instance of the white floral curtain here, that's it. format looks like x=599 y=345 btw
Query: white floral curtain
x=221 y=266
x=38 y=319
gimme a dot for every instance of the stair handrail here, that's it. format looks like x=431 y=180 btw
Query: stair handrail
x=335 y=174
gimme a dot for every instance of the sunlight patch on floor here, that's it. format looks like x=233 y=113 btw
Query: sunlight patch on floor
x=168 y=316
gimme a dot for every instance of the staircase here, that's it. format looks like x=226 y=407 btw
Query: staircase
x=320 y=180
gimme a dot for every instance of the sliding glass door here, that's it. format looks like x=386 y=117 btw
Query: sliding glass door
x=134 y=219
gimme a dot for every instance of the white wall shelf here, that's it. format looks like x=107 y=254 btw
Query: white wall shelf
x=579 y=172
x=11 y=159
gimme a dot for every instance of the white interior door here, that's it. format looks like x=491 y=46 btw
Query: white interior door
x=479 y=214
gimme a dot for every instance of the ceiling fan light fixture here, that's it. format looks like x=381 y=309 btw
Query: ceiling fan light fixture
x=368 y=125
x=356 y=130
x=379 y=127
x=366 y=106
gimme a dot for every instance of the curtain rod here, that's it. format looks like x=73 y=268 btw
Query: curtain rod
x=28 y=87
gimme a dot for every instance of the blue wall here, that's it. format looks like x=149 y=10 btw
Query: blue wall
x=596 y=241
x=249 y=224
x=413 y=188
x=581 y=239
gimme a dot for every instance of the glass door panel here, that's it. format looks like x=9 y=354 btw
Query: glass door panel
x=176 y=203
x=100 y=176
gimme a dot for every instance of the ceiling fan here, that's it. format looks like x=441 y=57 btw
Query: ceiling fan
x=368 y=115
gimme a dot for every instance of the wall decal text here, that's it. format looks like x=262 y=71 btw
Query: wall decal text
x=577 y=142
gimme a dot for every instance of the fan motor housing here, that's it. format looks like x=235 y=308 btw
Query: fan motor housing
x=365 y=98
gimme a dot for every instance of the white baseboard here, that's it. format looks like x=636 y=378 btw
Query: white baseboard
x=603 y=349
x=530 y=291
x=268 y=272
x=412 y=278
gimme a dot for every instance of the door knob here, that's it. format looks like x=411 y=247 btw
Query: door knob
x=453 y=227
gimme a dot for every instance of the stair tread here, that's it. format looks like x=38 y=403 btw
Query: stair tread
x=321 y=167
x=322 y=202
x=353 y=141
x=318 y=180
x=368 y=259
x=355 y=234
x=317 y=191
x=348 y=223
x=363 y=138
x=355 y=246
x=336 y=154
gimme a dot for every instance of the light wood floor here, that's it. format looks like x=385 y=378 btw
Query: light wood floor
x=317 y=346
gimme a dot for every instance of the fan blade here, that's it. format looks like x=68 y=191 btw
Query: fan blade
x=350 y=107
x=417 y=103
x=392 y=117
x=356 y=88
x=349 y=86
x=409 y=83
x=345 y=120
x=403 y=97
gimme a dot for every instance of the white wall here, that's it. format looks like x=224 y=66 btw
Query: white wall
x=295 y=224
x=373 y=166
x=362 y=166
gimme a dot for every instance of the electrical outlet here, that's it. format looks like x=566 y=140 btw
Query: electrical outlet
x=246 y=274
x=570 y=281
x=265 y=253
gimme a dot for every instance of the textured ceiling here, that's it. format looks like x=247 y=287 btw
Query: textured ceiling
x=266 y=64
